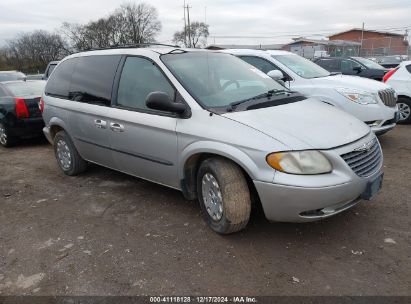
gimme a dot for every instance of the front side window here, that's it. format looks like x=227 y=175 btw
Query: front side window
x=261 y=64
x=301 y=66
x=217 y=79
x=408 y=67
x=139 y=78
x=349 y=65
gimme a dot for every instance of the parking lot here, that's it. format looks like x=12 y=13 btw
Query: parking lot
x=106 y=233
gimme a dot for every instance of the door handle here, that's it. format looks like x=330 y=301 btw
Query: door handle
x=101 y=124
x=116 y=127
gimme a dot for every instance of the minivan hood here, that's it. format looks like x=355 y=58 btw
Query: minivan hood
x=307 y=124
x=352 y=82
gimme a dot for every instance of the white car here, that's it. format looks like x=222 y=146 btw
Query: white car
x=400 y=79
x=373 y=102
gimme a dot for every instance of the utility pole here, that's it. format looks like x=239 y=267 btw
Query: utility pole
x=185 y=24
x=205 y=21
x=189 y=25
x=362 y=38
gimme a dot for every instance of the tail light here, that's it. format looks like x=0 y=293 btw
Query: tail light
x=21 y=108
x=41 y=105
x=389 y=74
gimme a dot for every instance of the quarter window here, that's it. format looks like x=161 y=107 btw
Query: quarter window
x=139 y=78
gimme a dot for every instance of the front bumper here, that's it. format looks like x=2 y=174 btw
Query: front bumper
x=305 y=198
x=301 y=204
x=385 y=125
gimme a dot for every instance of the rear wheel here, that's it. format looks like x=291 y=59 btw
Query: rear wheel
x=68 y=159
x=404 y=107
x=223 y=195
x=5 y=139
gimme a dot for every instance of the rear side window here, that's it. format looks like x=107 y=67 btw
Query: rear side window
x=408 y=67
x=58 y=85
x=139 y=78
x=93 y=78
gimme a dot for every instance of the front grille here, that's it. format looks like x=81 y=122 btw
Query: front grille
x=366 y=160
x=388 y=97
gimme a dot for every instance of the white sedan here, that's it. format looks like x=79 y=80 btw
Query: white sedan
x=400 y=79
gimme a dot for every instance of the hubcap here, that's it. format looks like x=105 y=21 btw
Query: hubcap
x=63 y=154
x=212 y=197
x=404 y=111
x=3 y=135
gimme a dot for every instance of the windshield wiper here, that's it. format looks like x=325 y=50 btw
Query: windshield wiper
x=231 y=107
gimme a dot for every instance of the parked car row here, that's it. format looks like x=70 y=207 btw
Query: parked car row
x=263 y=127
x=372 y=102
x=20 y=116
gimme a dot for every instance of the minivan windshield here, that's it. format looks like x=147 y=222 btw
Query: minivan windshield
x=369 y=63
x=217 y=79
x=301 y=66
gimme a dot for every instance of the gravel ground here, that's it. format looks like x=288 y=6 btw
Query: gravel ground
x=106 y=233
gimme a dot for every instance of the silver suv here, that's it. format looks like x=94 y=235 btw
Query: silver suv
x=213 y=127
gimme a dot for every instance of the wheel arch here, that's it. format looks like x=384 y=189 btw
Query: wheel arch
x=194 y=156
x=56 y=125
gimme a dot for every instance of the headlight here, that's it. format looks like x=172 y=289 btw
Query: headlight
x=361 y=97
x=300 y=162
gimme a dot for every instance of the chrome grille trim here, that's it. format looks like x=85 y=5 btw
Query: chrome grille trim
x=388 y=97
x=366 y=160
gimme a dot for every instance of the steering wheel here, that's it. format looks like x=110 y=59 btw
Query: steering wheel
x=230 y=82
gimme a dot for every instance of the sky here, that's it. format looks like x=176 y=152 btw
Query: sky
x=231 y=21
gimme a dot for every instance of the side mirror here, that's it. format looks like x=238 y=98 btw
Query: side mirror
x=276 y=75
x=162 y=102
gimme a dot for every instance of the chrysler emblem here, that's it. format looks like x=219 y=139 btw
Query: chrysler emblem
x=366 y=146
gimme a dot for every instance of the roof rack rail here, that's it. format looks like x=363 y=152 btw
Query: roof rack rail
x=130 y=46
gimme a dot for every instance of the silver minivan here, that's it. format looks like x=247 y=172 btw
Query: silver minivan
x=213 y=127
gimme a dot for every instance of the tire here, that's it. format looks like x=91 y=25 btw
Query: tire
x=404 y=106
x=227 y=185
x=5 y=139
x=67 y=156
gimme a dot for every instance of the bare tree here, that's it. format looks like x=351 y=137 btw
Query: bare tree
x=140 y=22
x=198 y=32
x=129 y=24
x=33 y=51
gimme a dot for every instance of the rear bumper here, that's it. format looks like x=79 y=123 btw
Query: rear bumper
x=27 y=127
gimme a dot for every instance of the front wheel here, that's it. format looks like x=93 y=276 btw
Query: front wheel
x=223 y=195
x=404 y=107
x=68 y=159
